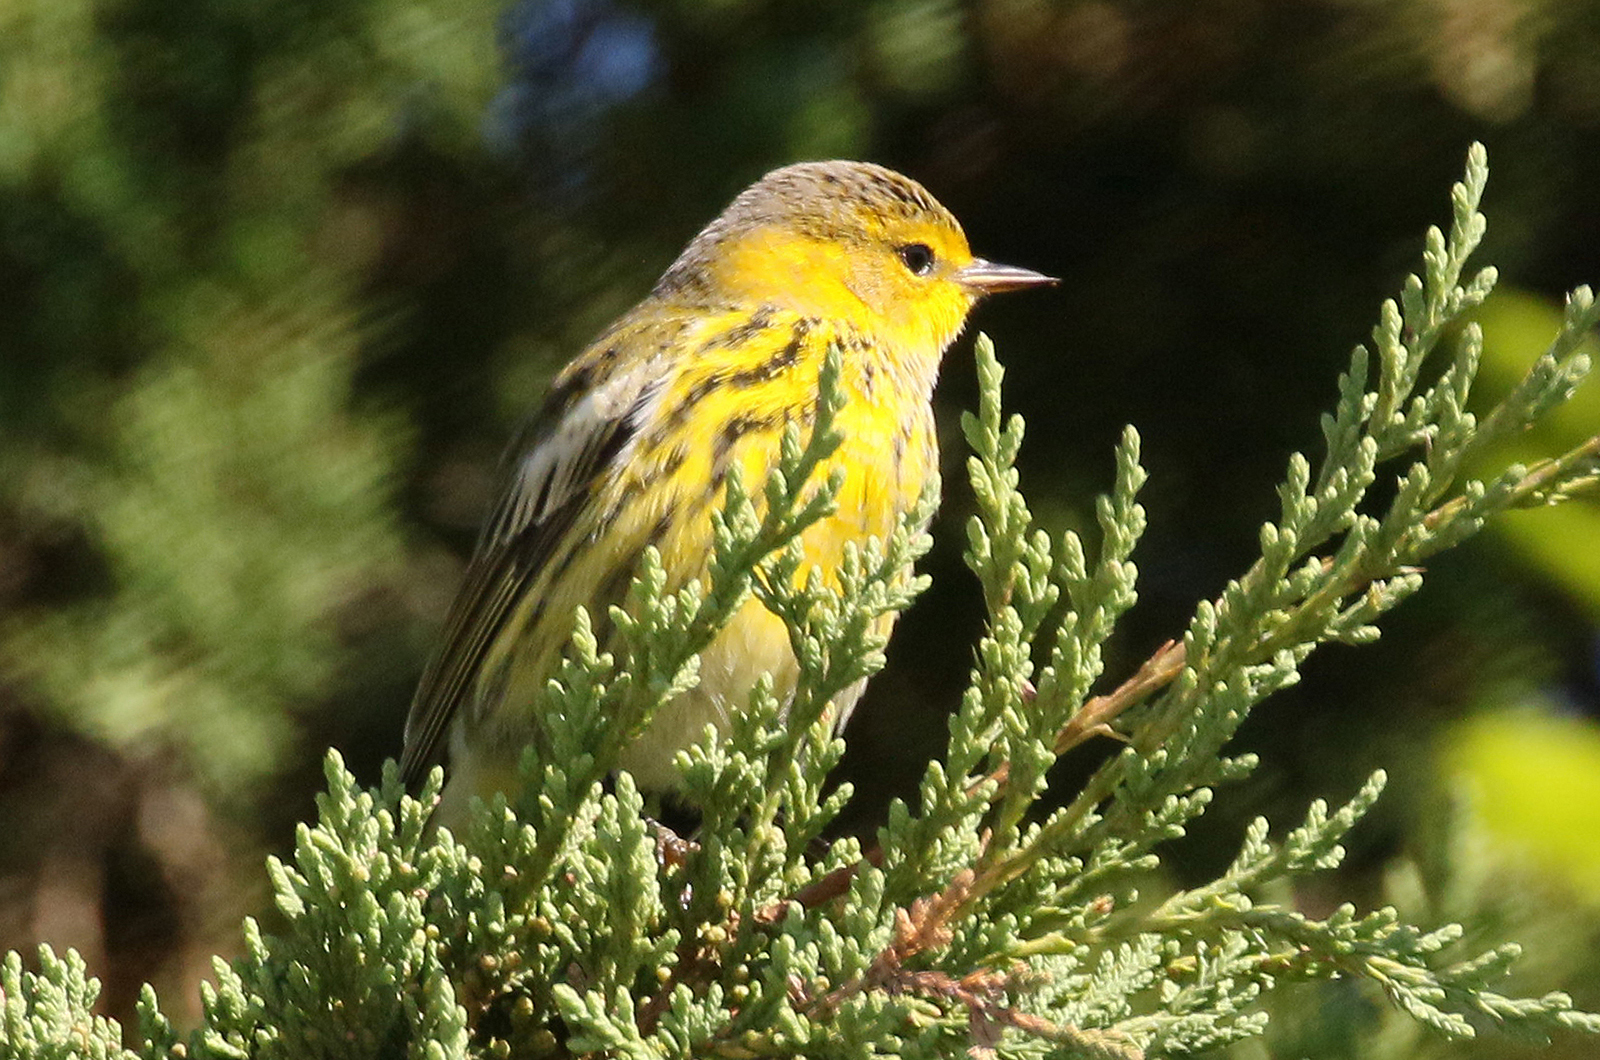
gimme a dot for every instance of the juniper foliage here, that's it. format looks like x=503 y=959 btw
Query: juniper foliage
x=568 y=923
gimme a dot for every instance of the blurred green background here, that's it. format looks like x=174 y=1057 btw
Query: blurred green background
x=278 y=280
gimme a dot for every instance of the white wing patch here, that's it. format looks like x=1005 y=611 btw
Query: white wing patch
x=564 y=461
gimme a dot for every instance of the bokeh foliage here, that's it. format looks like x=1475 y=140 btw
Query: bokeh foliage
x=277 y=280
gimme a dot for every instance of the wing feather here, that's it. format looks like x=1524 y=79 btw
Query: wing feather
x=548 y=478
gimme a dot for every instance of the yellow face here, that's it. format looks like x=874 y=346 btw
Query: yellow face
x=896 y=279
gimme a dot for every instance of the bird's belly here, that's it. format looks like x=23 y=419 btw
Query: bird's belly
x=878 y=488
x=752 y=644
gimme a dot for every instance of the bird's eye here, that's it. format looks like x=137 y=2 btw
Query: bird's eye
x=918 y=258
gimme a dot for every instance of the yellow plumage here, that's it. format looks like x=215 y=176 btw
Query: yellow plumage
x=634 y=442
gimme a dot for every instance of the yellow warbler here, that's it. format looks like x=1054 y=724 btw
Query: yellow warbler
x=633 y=444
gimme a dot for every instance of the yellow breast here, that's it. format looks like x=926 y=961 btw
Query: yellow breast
x=727 y=407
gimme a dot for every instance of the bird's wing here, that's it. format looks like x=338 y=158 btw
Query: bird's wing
x=547 y=478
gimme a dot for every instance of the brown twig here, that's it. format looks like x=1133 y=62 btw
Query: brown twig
x=983 y=992
x=924 y=926
x=822 y=891
x=1096 y=715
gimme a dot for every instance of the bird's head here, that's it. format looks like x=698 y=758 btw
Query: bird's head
x=846 y=241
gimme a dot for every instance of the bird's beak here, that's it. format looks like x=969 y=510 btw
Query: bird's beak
x=986 y=277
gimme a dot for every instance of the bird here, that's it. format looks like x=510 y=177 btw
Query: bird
x=633 y=443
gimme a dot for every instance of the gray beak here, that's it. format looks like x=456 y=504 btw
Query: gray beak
x=986 y=277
